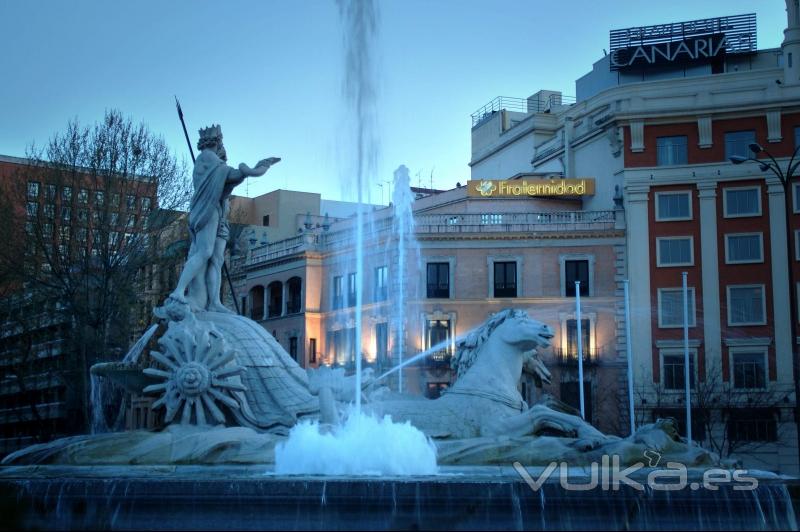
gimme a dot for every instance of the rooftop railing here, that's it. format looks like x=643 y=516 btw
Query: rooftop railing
x=520 y=105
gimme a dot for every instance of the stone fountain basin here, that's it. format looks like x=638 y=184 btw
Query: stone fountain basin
x=253 y=497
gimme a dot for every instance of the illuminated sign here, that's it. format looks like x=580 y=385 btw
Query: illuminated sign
x=682 y=42
x=517 y=188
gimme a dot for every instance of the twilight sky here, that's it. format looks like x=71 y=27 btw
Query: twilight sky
x=270 y=72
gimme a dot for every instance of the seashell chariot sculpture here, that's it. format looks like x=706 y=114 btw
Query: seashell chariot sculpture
x=231 y=393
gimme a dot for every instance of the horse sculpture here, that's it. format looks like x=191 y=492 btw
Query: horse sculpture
x=484 y=400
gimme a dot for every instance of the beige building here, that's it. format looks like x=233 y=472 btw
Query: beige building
x=475 y=256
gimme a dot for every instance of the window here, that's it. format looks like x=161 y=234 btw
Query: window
x=265 y=220
x=744 y=248
x=752 y=425
x=796 y=137
x=671 y=206
x=505 y=279
x=671 y=150
x=438 y=336
x=674 y=373
x=47 y=230
x=351 y=289
x=675 y=251
x=275 y=299
x=115 y=199
x=64 y=231
x=130 y=202
x=438 y=275
x=796 y=196
x=66 y=214
x=381 y=288
x=33 y=209
x=338 y=299
x=146 y=204
x=382 y=343
x=295 y=288
x=33 y=189
x=256 y=296
x=99 y=198
x=83 y=215
x=737 y=142
x=746 y=305
x=66 y=194
x=670 y=307
x=131 y=221
x=570 y=394
x=572 y=339
x=80 y=234
x=312 y=350
x=576 y=270
x=50 y=191
x=50 y=210
x=749 y=370
x=83 y=196
x=434 y=390
x=741 y=202
x=293 y=347
x=114 y=219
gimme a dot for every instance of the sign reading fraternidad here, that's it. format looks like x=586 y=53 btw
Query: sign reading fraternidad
x=520 y=188
x=682 y=43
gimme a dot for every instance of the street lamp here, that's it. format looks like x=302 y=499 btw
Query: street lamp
x=786 y=181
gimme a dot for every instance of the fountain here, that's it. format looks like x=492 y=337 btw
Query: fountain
x=254 y=441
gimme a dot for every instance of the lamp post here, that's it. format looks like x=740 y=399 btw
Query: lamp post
x=786 y=181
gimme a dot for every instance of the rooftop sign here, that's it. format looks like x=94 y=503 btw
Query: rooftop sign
x=520 y=188
x=683 y=42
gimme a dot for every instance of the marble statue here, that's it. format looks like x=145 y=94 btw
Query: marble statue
x=484 y=400
x=213 y=183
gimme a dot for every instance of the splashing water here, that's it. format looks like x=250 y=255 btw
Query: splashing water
x=364 y=445
x=102 y=389
x=97 y=397
x=359 y=88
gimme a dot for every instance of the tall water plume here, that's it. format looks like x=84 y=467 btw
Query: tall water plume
x=360 y=92
x=406 y=252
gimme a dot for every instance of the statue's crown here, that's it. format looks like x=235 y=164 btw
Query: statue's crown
x=213 y=132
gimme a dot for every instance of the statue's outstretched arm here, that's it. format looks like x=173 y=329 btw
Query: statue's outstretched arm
x=261 y=168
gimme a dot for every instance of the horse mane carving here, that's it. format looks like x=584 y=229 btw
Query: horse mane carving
x=468 y=347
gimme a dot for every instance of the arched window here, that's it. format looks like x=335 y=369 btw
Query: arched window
x=294 y=298
x=275 y=290
x=256 y=297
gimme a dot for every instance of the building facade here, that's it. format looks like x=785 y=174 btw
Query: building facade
x=470 y=257
x=659 y=136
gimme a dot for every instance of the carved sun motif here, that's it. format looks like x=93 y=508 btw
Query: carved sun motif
x=200 y=372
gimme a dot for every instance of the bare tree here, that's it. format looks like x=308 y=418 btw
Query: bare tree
x=81 y=219
x=725 y=419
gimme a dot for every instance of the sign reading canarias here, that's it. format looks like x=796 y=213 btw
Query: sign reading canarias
x=518 y=188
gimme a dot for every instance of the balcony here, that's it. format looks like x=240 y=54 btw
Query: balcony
x=438 y=359
x=569 y=356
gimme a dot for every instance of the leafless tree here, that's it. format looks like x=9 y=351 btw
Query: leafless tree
x=80 y=220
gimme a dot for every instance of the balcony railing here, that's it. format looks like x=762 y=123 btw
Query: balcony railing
x=514 y=222
x=569 y=356
x=438 y=359
x=507 y=222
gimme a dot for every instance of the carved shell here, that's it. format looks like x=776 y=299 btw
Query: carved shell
x=200 y=373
